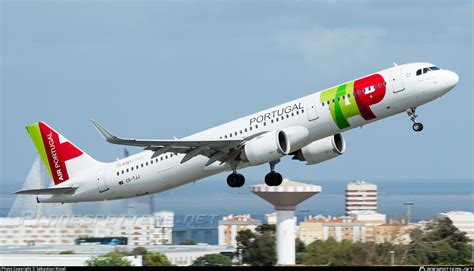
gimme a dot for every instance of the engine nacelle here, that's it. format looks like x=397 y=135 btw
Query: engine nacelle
x=265 y=148
x=322 y=150
x=298 y=136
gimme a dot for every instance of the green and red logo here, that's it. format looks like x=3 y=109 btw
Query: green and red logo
x=53 y=153
x=354 y=99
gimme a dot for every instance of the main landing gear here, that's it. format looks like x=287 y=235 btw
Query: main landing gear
x=417 y=126
x=273 y=178
x=235 y=180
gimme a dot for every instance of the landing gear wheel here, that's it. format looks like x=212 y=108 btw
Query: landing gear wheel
x=235 y=180
x=417 y=127
x=273 y=179
x=240 y=180
x=279 y=179
x=232 y=180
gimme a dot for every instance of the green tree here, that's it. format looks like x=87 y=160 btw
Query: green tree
x=261 y=252
x=213 y=260
x=67 y=252
x=139 y=251
x=188 y=242
x=155 y=259
x=109 y=259
x=441 y=243
x=266 y=228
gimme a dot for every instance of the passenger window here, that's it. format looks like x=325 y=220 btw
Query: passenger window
x=235 y=133
x=256 y=126
x=136 y=167
x=161 y=158
x=156 y=160
x=225 y=136
x=297 y=112
x=302 y=110
x=142 y=165
x=118 y=173
x=250 y=128
x=146 y=163
x=272 y=120
x=166 y=156
x=264 y=123
x=151 y=162
x=122 y=171
x=240 y=131
x=245 y=129
x=131 y=169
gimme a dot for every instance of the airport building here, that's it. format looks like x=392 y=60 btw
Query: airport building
x=361 y=196
x=230 y=225
x=155 y=229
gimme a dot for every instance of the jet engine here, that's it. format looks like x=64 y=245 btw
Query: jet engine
x=321 y=150
x=264 y=148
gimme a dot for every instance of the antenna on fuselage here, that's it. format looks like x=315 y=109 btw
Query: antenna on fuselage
x=395 y=64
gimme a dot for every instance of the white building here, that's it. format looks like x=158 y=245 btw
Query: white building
x=322 y=228
x=143 y=230
x=230 y=225
x=361 y=196
x=464 y=221
x=371 y=219
x=47 y=255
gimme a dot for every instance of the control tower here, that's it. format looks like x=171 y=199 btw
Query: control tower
x=284 y=198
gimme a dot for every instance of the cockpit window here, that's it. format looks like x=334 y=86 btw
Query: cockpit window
x=425 y=70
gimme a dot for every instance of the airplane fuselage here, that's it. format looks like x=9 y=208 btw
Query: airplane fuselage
x=324 y=113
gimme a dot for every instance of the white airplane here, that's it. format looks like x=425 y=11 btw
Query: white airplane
x=308 y=128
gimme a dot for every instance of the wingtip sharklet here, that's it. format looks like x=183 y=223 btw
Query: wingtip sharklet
x=109 y=137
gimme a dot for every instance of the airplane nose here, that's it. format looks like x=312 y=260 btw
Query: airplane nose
x=452 y=78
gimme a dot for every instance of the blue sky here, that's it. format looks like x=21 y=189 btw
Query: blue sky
x=158 y=69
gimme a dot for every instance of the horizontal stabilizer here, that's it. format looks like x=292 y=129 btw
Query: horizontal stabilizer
x=48 y=191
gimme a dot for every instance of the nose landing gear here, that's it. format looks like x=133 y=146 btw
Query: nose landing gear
x=417 y=126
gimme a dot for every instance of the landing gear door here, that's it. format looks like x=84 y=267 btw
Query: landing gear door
x=397 y=83
x=101 y=184
x=312 y=110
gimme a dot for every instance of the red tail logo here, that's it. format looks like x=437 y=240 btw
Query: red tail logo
x=58 y=153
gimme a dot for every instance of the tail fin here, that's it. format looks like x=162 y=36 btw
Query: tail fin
x=62 y=158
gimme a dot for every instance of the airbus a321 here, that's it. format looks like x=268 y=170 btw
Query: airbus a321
x=308 y=129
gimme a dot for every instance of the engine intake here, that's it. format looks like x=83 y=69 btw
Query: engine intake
x=322 y=150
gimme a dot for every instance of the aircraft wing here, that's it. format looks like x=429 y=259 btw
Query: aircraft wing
x=47 y=191
x=215 y=150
